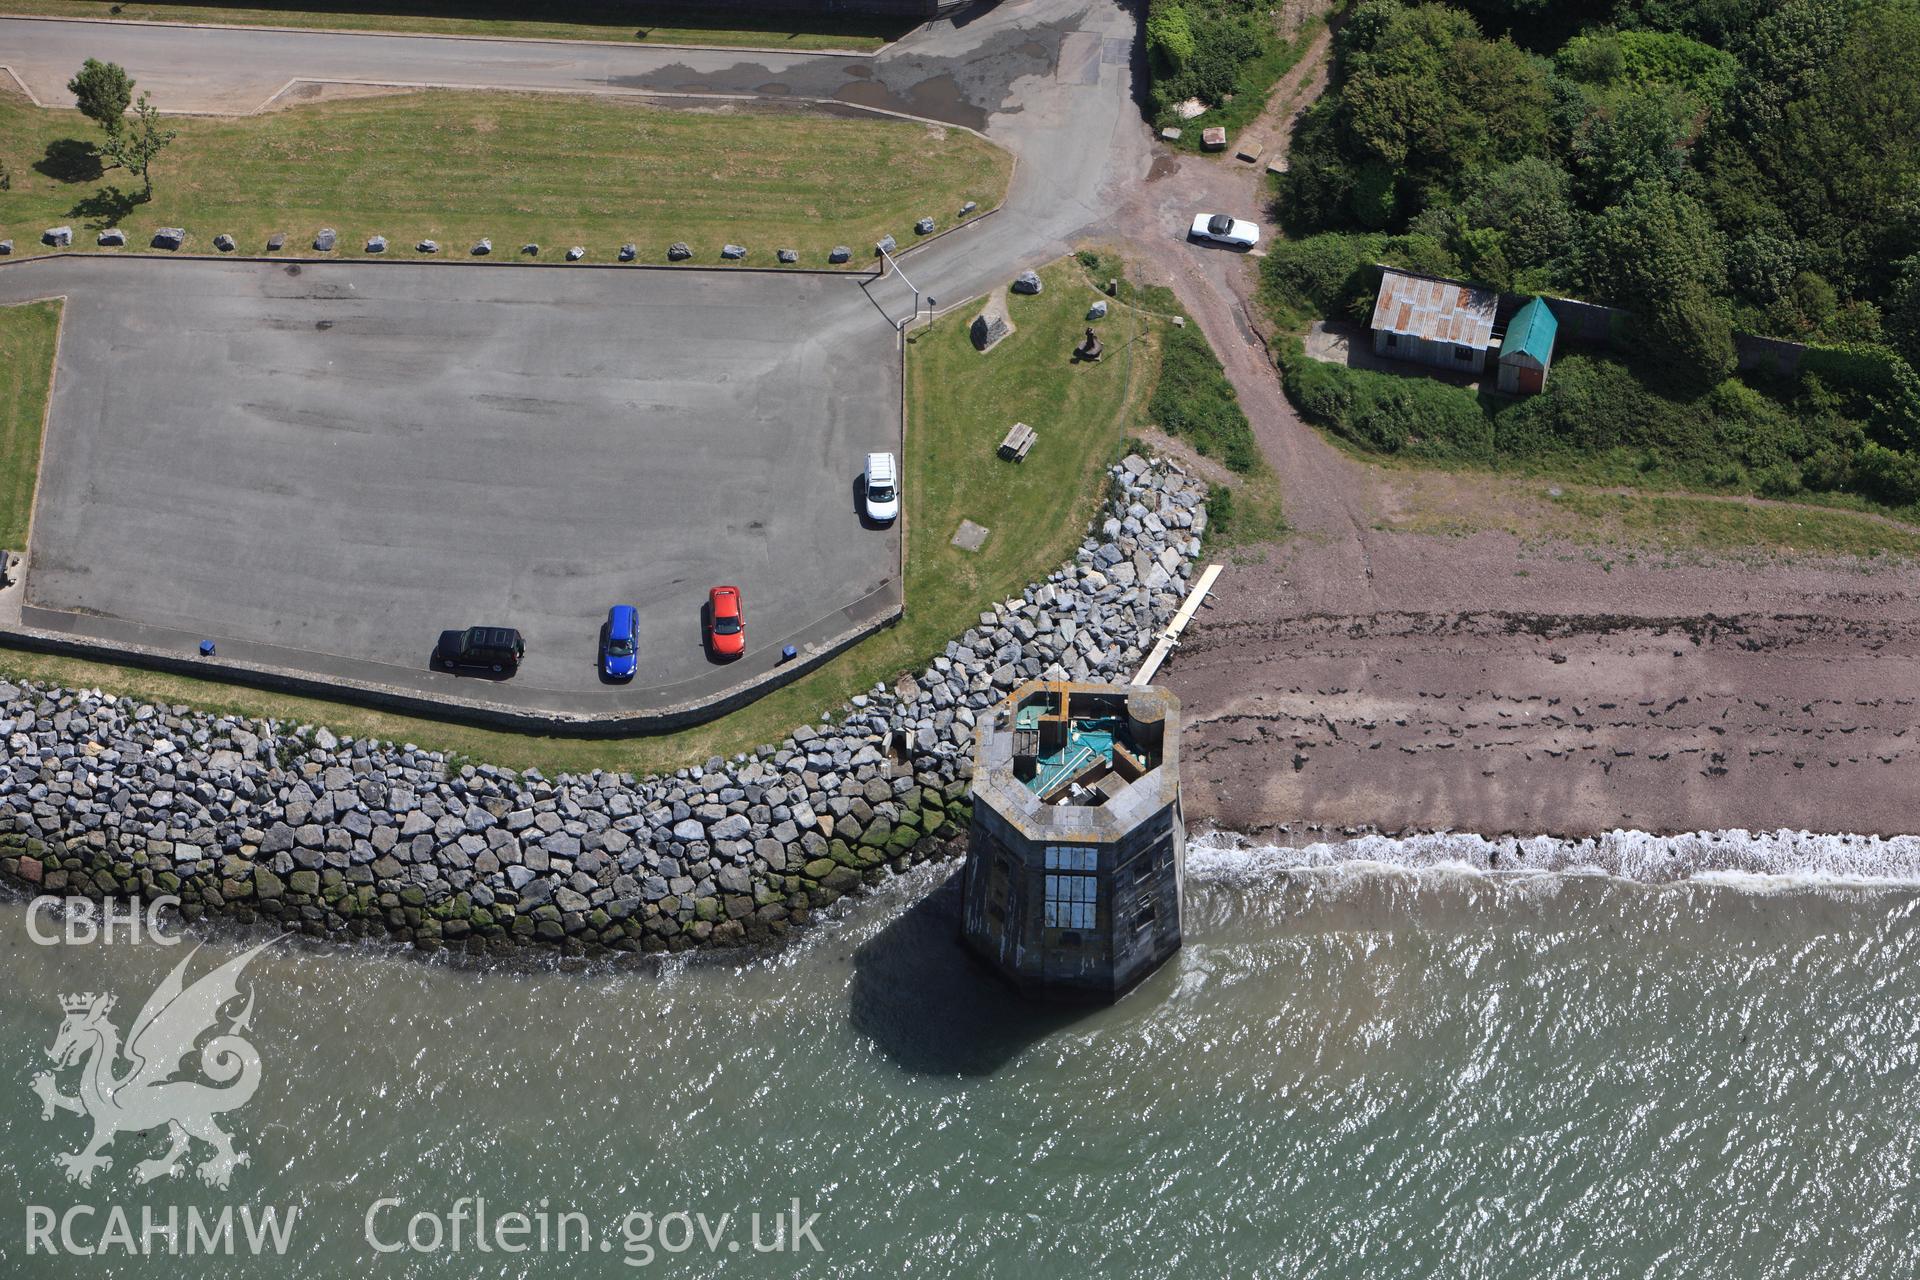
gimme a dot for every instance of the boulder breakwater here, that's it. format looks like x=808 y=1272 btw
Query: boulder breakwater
x=256 y=821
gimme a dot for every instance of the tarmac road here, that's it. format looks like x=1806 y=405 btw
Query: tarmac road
x=1051 y=80
x=235 y=70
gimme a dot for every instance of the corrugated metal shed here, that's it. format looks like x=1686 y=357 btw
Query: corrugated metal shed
x=1435 y=310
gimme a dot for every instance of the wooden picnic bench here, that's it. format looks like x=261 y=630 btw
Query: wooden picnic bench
x=1018 y=441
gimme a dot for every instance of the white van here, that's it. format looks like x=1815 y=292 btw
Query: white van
x=881 y=488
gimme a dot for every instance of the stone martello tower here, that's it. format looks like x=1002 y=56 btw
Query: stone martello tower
x=1078 y=852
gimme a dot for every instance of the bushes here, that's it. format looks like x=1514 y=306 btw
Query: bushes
x=1169 y=38
x=1527 y=203
x=1220 y=514
x=1860 y=373
x=1323 y=393
x=1596 y=412
x=1888 y=474
x=1625 y=148
x=1226 y=53
x=1594 y=405
x=1332 y=274
x=1194 y=400
x=1691 y=339
x=1643 y=59
x=1387 y=413
x=1321 y=275
x=1223 y=44
x=1198 y=49
x=1431 y=419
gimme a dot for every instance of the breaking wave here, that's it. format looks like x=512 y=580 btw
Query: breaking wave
x=1755 y=860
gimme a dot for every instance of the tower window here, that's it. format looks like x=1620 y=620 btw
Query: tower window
x=1071 y=898
x=1070 y=901
x=1070 y=857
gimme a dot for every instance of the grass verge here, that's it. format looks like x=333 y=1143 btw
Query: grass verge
x=1667 y=528
x=551 y=169
x=1675 y=522
x=1195 y=401
x=642 y=24
x=28 y=335
x=960 y=405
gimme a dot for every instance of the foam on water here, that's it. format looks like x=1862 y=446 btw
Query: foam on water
x=1762 y=861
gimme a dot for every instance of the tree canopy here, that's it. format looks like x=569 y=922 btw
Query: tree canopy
x=1712 y=166
x=102 y=91
x=1788 y=129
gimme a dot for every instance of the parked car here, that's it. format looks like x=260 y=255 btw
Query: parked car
x=619 y=652
x=726 y=624
x=881 y=489
x=497 y=649
x=1223 y=229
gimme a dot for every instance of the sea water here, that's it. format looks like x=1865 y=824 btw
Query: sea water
x=1376 y=1059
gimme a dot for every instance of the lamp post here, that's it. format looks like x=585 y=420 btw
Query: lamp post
x=894 y=266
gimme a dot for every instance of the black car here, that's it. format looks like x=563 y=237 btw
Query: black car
x=495 y=649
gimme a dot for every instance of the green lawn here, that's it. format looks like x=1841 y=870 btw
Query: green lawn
x=28 y=334
x=553 y=169
x=559 y=20
x=960 y=404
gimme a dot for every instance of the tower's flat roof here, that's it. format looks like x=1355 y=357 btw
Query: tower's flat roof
x=1041 y=807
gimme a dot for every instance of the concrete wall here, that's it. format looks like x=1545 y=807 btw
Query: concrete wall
x=1770 y=355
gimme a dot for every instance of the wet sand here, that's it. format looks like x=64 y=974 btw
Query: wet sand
x=1437 y=690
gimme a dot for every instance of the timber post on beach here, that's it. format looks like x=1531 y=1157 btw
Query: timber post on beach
x=1077 y=853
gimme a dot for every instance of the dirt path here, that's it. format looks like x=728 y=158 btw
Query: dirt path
x=1328 y=495
x=1299 y=89
x=1354 y=676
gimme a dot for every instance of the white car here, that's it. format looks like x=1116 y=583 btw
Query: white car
x=1222 y=229
x=880 y=488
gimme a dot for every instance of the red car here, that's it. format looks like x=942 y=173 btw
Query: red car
x=726 y=625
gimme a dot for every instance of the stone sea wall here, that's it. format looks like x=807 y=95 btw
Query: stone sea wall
x=253 y=820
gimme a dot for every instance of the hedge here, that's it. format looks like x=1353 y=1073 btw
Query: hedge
x=1595 y=407
x=1194 y=400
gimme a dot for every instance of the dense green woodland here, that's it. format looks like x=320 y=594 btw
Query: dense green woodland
x=1715 y=166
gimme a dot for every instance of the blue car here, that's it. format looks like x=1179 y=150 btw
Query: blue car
x=618 y=650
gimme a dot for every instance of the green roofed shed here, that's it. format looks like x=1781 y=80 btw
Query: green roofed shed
x=1527 y=351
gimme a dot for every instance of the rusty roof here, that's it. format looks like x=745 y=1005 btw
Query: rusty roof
x=1436 y=310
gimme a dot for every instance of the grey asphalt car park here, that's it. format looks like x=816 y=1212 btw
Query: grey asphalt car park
x=341 y=459
x=1049 y=79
